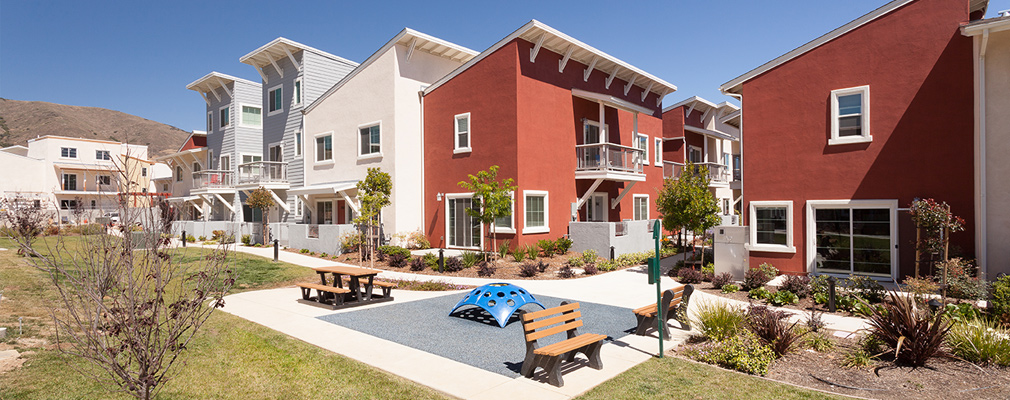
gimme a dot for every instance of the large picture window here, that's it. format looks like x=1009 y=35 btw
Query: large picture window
x=252 y=116
x=771 y=226
x=462 y=229
x=852 y=237
x=850 y=115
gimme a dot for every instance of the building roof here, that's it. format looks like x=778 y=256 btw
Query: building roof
x=710 y=132
x=79 y=139
x=734 y=85
x=192 y=140
x=280 y=48
x=986 y=25
x=210 y=82
x=546 y=37
x=415 y=41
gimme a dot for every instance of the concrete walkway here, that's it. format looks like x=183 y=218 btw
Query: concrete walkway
x=278 y=310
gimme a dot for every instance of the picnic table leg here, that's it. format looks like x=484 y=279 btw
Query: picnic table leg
x=356 y=288
x=368 y=288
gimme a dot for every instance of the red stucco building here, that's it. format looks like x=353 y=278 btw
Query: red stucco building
x=842 y=133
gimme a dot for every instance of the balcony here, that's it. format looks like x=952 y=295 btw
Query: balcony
x=213 y=179
x=672 y=169
x=609 y=161
x=264 y=173
x=718 y=174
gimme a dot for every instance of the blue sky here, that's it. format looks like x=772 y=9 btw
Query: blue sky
x=138 y=56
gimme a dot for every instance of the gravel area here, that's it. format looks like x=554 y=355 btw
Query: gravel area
x=470 y=335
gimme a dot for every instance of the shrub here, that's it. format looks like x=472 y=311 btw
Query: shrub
x=857 y=358
x=574 y=262
x=503 y=249
x=532 y=252
x=589 y=256
x=228 y=239
x=743 y=353
x=759 y=294
x=562 y=245
x=418 y=264
x=485 y=268
x=53 y=230
x=797 y=284
x=470 y=258
x=719 y=320
x=217 y=235
x=819 y=342
x=730 y=288
x=304 y=251
x=566 y=272
x=202 y=238
x=324 y=255
x=708 y=269
x=980 y=341
x=541 y=266
x=350 y=242
x=819 y=285
x=915 y=335
x=453 y=264
x=866 y=288
x=590 y=270
x=312 y=253
x=772 y=328
x=397 y=260
x=1001 y=298
x=385 y=251
x=783 y=297
x=770 y=271
x=546 y=247
x=962 y=282
x=815 y=320
x=962 y=312
x=519 y=254
x=528 y=270
x=689 y=276
x=430 y=260
x=920 y=287
x=721 y=280
x=607 y=265
x=417 y=240
x=820 y=298
x=754 y=278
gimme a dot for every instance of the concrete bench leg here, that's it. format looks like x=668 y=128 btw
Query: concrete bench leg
x=306 y=293
x=644 y=323
x=553 y=369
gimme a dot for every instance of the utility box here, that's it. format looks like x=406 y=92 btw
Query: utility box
x=730 y=250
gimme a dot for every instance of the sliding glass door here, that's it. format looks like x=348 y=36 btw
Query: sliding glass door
x=851 y=240
x=463 y=230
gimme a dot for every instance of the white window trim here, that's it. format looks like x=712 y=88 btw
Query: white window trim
x=276 y=144
x=606 y=208
x=210 y=122
x=455 y=134
x=547 y=220
x=68 y=152
x=280 y=107
x=333 y=209
x=811 y=229
x=865 y=120
x=512 y=230
x=645 y=151
x=357 y=134
x=299 y=142
x=228 y=107
x=658 y=149
x=241 y=156
x=315 y=148
x=753 y=245
x=225 y=157
x=242 y=119
x=603 y=131
x=635 y=208
x=63 y=180
x=700 y=151
x=298 y=206
x=102 y=159
x=295 y=101
x=468 y=195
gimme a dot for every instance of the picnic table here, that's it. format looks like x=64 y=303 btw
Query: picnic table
x=360 y=283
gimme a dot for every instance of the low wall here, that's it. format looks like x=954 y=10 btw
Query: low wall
x=600 y=236
x=327 y=242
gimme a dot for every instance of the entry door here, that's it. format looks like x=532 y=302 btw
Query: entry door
x=275 y=153
x=464 y=231
x=596 y=210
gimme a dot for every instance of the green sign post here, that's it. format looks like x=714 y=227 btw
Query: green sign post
x=655 y=278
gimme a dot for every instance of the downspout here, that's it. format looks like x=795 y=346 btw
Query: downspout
x=420 y=95
x=981 y=152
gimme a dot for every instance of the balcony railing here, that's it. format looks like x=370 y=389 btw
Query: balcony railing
x=263 y=172
x=718 y=173
x=213 y=179
x=672 y=169
x=608 y=157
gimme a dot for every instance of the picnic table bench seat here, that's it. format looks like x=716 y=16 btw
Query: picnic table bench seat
x=675 y=303
x=338 y=292
x=387 y=287
x=540 y=324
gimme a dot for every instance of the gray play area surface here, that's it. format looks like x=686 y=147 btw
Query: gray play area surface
x=470 y=335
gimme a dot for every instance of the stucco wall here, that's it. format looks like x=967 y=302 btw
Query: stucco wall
x=327 y=242
x=600 y=236
x=997 y=113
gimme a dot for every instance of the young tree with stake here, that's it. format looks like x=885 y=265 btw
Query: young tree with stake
x=263 y=200
x=373 y=193
x=491 y=199
x=686 y=203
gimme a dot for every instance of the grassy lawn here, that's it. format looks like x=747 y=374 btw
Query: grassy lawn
x=230 y=358
x=674 y=378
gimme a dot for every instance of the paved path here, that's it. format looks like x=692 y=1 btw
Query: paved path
x=278 y=310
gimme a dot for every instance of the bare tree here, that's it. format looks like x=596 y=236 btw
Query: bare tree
x=23 y=218
x=126 y=303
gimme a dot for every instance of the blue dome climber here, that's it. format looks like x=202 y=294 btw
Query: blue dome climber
x=501 y=300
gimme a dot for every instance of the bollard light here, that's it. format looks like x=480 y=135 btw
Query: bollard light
x=276 y=249
x=934 y=304
x=183 y=238
x=441 y=259
x=831 y=294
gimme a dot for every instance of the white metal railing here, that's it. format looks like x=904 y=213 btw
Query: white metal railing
x=263 y=172
x=718 y=173
x=213 y=179
x=605 y=157
x=672 y=169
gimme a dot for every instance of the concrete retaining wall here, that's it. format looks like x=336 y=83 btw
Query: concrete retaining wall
x=327 y=242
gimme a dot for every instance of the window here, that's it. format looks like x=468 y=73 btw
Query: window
x=771 y=226
x=694 y=154
x=535 y=207
x=324 y=212
x=850 y=115
x=298 y=207
x=462 y=230
x=164 y=187
x=641 y=206
x=178 y=174
x=68 y=204
x=102 y=155
x=69 y=181
x=196 y=167
x=249 y=158
x=275 y=153
x=642 y=143
x=225 y=116
x=725 y=207
x=851 y=236
x=68 y=152
x=324 y=147
x=275 y=101
x=93 y=204
x=104 y=180
x=226 y=163
x=369 y=140
x=298 y=143
x=210 y=121
x=462 y=135
x=252 y=116
x=506 y=224
x=298 y=92
x=210 y=158
x=726 y=160
x=658 y=148
x=143 y=171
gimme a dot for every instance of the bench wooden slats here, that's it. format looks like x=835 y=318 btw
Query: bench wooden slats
x=570 y=344
x=378 y=283
x=543 y=313
x=337 y=298
x=549 y=357
x=531 y=326
x=674 y=300
x=324 y=288
x=552 y=330
x=650 y=310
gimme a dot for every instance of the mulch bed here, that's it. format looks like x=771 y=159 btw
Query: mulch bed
x=805 y=304
x=940 y=379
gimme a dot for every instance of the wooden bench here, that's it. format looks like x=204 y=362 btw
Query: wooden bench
x=387 y=287
x=675 y=303
x=540 y=324
x=338 y=293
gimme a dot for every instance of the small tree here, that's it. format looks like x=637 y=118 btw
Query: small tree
x=373 y=193
x=492 y=199
x=23 y=219
x=686 y=204
x=263 y=200
x=934 y=223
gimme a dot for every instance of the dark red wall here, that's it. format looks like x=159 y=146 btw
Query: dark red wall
x=194 y=142
x=919 y=69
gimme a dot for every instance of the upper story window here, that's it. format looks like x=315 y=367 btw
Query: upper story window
x=694 y=154
x=370 y=140
x=69 y=181
x=143 y=171
x=210 y=121
x=462 y=134
x=226 y=163
x=850 y=115
x=642 y=143
x=297 y=99
x=252 y=116
x=178 y=174
x=771 y=224
x=658 y=148
x=68 y=152
x=298 y=143
x=196 y=167
x=324 y=147
x=102 y=155
x=275 y=101
x=104 y=180
x=225 y=117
